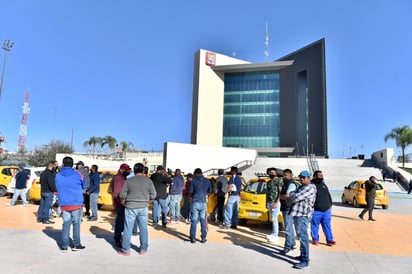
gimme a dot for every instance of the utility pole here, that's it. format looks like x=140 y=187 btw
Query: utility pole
x=7 y=46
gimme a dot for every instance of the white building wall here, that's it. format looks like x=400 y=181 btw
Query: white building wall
x=187 y=157
x=209 y=91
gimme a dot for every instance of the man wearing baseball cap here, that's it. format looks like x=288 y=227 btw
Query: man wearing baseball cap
x=303 y=200
x=118 y=182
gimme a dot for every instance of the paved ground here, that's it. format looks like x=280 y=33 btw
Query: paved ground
x=384 y=246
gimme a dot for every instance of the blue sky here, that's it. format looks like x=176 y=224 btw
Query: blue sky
x=125 y=68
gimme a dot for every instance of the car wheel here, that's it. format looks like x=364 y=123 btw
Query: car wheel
x=3 y=191
x=385 y=206
x=242 y=222
x=343 y=199
x=355 y=202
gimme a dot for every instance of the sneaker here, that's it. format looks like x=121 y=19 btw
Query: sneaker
x=372 y=220
x=78 y=247
x=118 y=244
x=63 y=249
x=360 y=217
x=314 y=242
x=121 y=252
x=272 y=239
x=142 y=252
x=285 y=251
x=187 y=221
x=301 y=265
x=193 y=241
x=330 y=243
x=203 y=241
x=9 y=205
x=92 y=219
x=164 y=225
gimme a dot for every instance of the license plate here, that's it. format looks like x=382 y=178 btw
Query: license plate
x=253 y=214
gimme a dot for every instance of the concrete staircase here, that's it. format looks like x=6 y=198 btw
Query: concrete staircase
x=337 y=172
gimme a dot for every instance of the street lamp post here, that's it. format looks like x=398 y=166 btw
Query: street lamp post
x=7 y=46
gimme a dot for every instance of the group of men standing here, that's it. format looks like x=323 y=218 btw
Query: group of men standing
x=303 y=204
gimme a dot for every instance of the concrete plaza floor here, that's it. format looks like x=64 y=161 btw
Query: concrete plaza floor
x=384 y=246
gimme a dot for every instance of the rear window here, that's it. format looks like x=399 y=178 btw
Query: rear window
x=378 y=186
x=106 y=178
x=256 y=188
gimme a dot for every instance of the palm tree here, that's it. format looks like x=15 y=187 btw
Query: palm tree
x=125 y=146
x=110 y=142
x=91 y=144
x=403 y=138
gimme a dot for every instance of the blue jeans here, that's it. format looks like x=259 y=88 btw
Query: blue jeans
x=94 y=197
x=45 y=206
x=232 y=210
x=119 y=223
x=198 y=211
x=302 y=224
x=17 y=193
x=290 y=241
x=274 y=212
x=323 y=218
x=159 y=206
x=186 y=207
x=130 y=217
x=175 y=207
x=71 y=217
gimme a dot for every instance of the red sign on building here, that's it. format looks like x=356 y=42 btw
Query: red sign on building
x=210 y=58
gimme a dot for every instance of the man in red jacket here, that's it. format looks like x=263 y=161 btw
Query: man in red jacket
x=118 y=182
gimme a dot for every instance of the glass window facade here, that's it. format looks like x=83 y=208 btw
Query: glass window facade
x=251 y=110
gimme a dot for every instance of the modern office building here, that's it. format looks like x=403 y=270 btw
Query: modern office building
x=277 y=108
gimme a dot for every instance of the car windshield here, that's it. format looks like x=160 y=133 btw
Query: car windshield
x=256 y=187
x=105 y=178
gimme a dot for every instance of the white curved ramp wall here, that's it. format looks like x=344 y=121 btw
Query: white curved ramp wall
x=187 y=157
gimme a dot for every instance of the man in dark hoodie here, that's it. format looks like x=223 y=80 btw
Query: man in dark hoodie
x=93 y=191
x=160 y=181
x=322 y=213
x=176 y=189
x=48 y=187
x=199 y=189
x=70 y=186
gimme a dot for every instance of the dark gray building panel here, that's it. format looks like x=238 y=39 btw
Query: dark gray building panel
x=307 y=70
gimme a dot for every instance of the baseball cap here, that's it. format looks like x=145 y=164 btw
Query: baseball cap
x=21 y=167
x=304 y=173
x=125 y=166
x=79 y=163
x=160 y=168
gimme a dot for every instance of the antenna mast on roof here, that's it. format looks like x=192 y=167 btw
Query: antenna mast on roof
x=266 y=43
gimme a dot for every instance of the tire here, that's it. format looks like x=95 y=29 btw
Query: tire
x=343 y=199
x=3 y=191
x=355 y=202
x=242 y=222
x=385 y=206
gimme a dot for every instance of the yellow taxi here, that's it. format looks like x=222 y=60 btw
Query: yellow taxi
x=35 y=191
x=253 y=204
x=106 y=183
x=6 y=173
x=212 y=198
x=105 y=195
x=354 y=193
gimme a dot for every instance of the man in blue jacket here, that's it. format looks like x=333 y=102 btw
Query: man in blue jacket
x=198 y=190
x=70 y=185
x=93 y=191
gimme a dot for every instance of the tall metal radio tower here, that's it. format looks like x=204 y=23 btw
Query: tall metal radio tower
x=266 y=43
x=23 y=125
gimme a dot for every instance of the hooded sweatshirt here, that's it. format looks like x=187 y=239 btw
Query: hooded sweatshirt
x=70 y=185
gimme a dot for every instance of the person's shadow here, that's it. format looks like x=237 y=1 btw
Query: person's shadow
x=54 y=234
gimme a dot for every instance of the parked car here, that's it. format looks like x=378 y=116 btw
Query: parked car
x=6 y=173
x=105 y=194
x=34 y=173
x=253 y=204
x=212 y=198
x=354 y=193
